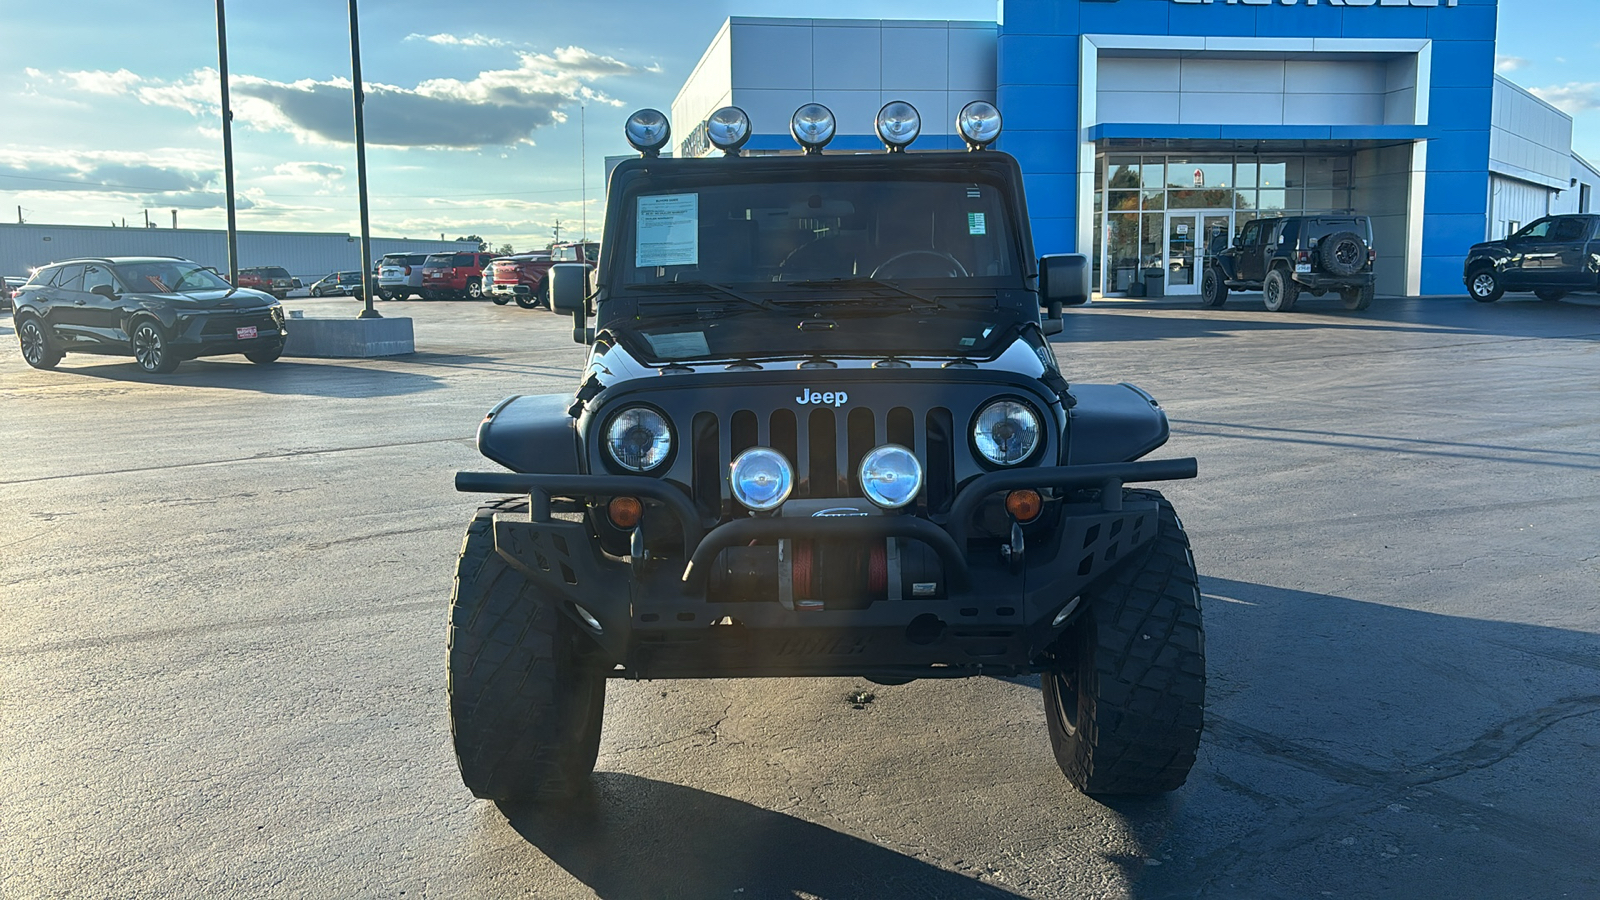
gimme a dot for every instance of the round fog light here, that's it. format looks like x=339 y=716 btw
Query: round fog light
x=890 y=476
x=648 y=131
x=728 y=129
x=979 y=124
x=812 y=126
x=761 y=478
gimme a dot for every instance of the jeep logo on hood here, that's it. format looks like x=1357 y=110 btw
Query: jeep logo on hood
x=808 y=397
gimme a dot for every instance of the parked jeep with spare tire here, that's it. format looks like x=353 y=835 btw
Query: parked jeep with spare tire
x=821 y=432
x=1283 y=257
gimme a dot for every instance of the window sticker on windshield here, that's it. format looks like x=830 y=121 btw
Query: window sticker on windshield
x=976 y=223
x=668 y=231
x=679 y=345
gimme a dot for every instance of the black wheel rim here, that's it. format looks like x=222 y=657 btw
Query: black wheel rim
x=147 y=347
x=1273 y=293
x=32 y=342
x=1346 y=253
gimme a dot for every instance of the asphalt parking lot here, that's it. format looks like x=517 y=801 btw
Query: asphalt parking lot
x=222 y=654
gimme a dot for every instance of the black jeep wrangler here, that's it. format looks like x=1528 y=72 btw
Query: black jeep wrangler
x=821 y=433
x=1281 y=257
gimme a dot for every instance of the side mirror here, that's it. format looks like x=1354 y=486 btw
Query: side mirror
x=104 y=290
x=1238 y=241
x=568 y=293
x=1064 y=280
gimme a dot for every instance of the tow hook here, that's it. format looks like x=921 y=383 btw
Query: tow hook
x=638 y=556
x=1013 y=552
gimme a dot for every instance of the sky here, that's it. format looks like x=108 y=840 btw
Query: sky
x=491 y=119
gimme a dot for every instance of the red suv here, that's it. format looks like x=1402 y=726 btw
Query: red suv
x=448 y=276
x=274 y=280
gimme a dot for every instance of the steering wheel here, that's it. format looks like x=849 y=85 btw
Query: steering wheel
x=949 y=266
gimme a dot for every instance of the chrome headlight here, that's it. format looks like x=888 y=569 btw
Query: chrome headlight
x=761 y=478
x=639 y=439
x=979 y=124
x=812 y=126
x=890 y=476
x=728 y=129
x=1006 y=432
x=648 y=131
x=898 y=125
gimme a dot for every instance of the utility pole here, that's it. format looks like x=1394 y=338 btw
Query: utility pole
x=361 y=166
x=147 y=218
x=19 y=215
x=557 y=231
x=227 y=147
x=583 y=165
x=174 y=220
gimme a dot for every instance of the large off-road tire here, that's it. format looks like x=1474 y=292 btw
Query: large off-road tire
x=1357 y=298
x=527 y=688
x=1279 y=292
x=1342 y=254
x=1126 y=701
x=1213 y=290
x=1484 y=285
x=150 y=348
x=1549 y=295
x=38 y=345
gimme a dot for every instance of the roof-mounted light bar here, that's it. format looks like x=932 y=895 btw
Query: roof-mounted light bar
x=979 y=124
x=813 y=126
x=898 y=124
x=648 y=131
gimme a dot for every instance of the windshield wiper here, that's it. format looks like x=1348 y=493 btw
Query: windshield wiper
x=684 y=287
x=871 y=284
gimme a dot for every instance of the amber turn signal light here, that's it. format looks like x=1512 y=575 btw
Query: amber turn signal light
x=624 y=511
x=1024 y=505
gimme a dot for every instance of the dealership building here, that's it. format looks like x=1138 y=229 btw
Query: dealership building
x=1143 y=125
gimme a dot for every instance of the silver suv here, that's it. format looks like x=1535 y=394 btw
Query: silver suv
x=400 y=275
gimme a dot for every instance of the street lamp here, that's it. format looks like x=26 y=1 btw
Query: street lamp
x=361 y=166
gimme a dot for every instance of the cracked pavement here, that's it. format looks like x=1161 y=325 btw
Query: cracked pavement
x=221 y=671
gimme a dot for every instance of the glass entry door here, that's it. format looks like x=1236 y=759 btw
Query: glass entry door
x=1192 y=237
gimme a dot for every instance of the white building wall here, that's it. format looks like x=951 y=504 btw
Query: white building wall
x=1529 y=139
x=1210 y=88
x=852 y=66
x=1514 y=203
x=1583 y=193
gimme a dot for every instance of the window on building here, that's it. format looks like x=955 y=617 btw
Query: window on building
x=1584 y=191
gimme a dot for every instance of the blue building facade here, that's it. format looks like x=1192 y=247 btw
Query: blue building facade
x=1087 y=113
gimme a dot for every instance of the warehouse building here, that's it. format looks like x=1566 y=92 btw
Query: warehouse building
x=307 y=255
x=1143 y=124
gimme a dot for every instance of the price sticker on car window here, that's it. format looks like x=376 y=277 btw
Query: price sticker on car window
x=668 y=231
x=976 y=224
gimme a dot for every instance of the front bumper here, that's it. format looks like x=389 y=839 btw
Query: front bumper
x=980 y=608
x=214 y=334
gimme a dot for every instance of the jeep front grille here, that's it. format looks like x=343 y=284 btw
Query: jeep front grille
x=825 y=445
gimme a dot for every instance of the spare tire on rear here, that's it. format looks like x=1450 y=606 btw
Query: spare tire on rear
x=1343 y=253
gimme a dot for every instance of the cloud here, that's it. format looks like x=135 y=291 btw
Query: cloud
x=1505 y=64
x=1573 y=97
x=497 y=107
x=450 y=40
x=311 y=170
x=160 y=179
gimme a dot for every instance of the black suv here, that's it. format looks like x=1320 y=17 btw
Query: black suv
x=160 y=310
x=821 y=432
x=1552 y=257
x=1281 y=257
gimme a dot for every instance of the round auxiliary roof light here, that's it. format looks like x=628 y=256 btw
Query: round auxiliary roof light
x=979 y=124
x=728 y=129
x=648 y=131
x=812 y=126
x=898 y=125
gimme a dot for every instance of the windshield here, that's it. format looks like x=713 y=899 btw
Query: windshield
x=820 y=230
x=169 y=278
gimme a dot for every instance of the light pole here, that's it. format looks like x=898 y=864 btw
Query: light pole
x=227 y=148
x=361 y=165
